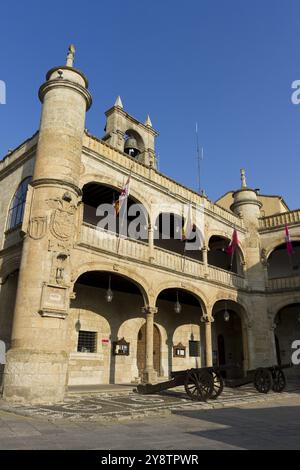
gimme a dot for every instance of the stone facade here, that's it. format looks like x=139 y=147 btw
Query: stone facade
x=56 y=265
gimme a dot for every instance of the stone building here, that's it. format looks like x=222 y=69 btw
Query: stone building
x=85 y=305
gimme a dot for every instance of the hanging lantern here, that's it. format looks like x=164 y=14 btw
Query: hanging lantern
x=109 y=294
x=226 y=316
x=178 y=307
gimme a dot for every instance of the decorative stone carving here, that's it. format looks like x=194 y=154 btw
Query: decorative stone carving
x=38 y=227
x=63 y=217
x=263 y=257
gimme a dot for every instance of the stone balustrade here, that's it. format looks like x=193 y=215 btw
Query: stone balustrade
x=283 y=283
x=279 y=220
x=104 y=241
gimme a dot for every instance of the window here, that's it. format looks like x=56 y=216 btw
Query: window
x=87 y=342
x=17 y=206
x=194 y=348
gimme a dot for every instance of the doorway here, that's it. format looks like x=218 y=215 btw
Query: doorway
x=141 y=350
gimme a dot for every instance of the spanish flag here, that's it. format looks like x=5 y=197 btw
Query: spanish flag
x=123 y=197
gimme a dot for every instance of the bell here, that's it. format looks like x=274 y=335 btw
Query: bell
x=131 y=147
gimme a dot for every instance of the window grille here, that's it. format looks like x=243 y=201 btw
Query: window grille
x=87 y=342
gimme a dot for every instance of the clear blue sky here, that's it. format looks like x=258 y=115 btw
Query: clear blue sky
x=227 y=64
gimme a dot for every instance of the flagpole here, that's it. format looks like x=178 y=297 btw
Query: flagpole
x=198 y=158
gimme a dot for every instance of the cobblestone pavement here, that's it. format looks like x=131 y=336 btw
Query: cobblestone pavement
x=125 y=404
x=272 y=424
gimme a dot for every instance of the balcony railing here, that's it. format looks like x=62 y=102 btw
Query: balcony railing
x=279 y=220
x=284 y=283
x=105 y=241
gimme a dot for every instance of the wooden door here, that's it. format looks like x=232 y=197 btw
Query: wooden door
x=141 y=350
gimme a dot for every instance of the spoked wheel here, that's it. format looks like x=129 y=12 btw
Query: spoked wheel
x=279 y=381
x=263 y=380
x=218 y=385
x=198 y=385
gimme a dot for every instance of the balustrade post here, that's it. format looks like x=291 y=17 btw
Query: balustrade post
x=151 y=242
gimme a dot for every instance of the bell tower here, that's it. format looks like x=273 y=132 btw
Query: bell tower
x=36 y=369
x=130 y=136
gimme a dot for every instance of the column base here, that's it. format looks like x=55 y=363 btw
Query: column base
x=35 y=377
x=149 y=377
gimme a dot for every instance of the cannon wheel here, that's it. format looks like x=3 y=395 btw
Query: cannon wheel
x=198 y=385
x=263 y=380
x=279 y=381
x=218 y=384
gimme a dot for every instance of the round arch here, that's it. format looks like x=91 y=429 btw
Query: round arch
x=124 y=272
x=137 y=136
x=230 y=337
x=117 y=184
x=268 y=250
x=218 y=257
x=196 y=293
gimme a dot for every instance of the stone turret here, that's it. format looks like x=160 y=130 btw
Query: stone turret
x=246 y=203
x=247 y=206
x=36 y=368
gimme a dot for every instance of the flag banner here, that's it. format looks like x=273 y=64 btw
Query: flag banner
x=289 y=245
x=188 y=227
x=230 y=250
x=123 y=197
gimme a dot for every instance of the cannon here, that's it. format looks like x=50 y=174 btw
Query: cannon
x=264 y=379
x=207 y=383
x=200 y=384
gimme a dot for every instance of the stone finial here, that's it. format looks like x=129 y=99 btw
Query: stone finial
x=70 y=56
x=119 y=102
x=243 y=178
x=148 y=122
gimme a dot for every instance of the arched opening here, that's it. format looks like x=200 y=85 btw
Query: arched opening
x=141 y=350
x=99 y=211
x=179 y=315
x=168 y=235
x=134 y=144
x=107 y=308
x=287 y=331
x=218 y=256
x=227 y=335
x=280 y=264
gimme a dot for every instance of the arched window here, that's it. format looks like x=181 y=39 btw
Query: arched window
x=16 y=210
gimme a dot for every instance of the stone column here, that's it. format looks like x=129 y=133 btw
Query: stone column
x=149 y=374
x=208 y=341
x=151 y=242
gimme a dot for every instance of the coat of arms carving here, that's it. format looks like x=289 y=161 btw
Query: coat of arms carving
x=62 y=222
x=38 y=227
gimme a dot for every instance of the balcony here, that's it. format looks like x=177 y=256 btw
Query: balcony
x=108 y=242
x=279 y=220
x=283 y=283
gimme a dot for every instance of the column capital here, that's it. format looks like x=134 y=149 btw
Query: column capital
x=147 y=310
x=207 y=319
